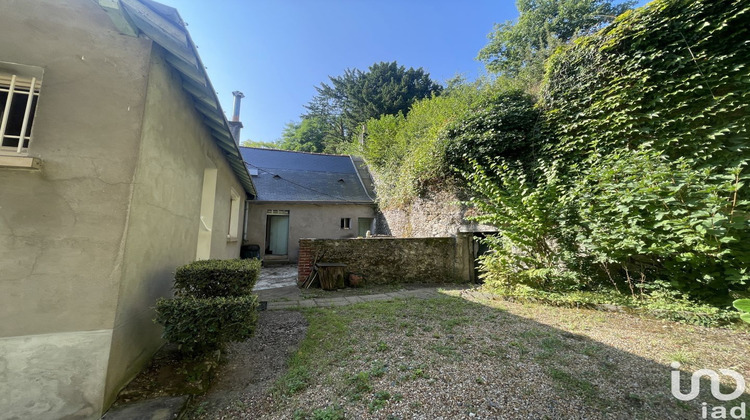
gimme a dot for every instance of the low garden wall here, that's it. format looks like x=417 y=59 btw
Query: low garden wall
x=394 y=260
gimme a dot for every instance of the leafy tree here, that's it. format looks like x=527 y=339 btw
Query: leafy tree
x=645 y=124
x=409 y=151
x=520 y=48
x=345 y=105
x=260 y=144
x=386 y=89
x=308 y=135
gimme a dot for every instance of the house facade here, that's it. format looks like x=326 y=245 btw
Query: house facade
x=305 y=195
x=117 y=165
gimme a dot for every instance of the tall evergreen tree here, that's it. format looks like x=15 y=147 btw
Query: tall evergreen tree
x=351 y=99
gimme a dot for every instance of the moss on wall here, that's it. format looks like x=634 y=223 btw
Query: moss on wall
x=391 y=260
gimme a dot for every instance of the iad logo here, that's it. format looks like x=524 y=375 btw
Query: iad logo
x=717 y=412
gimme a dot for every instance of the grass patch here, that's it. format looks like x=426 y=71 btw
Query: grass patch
x=445 y=350
x=379 y=400
x=323 y=337
x=359 y=384
x=450 y=324
x=683 y=357
x=659 y=305
x=328 y=413
x=570 y=383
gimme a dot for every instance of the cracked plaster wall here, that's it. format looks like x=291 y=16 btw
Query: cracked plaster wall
x=164 y=217
x=62 y=227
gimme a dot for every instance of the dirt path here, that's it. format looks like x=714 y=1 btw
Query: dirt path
x=253 y=366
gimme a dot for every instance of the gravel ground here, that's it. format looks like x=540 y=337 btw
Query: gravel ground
x=465 y=357
x=253 y=366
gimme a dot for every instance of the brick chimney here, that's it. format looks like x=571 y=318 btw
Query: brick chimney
x=235 y=125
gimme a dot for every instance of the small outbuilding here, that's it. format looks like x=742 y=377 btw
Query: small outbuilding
x=306 y=195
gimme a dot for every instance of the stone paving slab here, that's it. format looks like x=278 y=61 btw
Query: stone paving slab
x=368 y=298
x=165 y=408
x=282 y=305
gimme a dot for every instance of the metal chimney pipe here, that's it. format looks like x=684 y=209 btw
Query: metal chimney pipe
x=235 y=125
x=237 y=99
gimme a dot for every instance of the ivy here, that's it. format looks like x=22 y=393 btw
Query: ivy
x=641 y=160
x=501 y=124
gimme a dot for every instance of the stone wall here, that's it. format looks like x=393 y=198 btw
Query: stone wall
x=394 y=260
x=437 y=214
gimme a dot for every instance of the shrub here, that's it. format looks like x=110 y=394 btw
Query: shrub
x=663 y=222
x=408 y=152
x=649 y=122
x=501 y=125
x=743 y=305
x=216 y=278
x=531 y=249
x=202 y=325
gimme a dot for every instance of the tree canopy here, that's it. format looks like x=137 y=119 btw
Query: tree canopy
x=308 y=135
x=344 y=105
x=520 y=48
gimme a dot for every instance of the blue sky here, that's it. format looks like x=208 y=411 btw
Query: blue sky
x=277 y=51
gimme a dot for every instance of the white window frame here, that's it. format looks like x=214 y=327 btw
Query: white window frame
x=346 y=223
x=18 y=79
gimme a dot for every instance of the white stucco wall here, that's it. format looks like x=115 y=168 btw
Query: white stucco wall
x=62 y=227
x=89 y=241
x=322 y=221
x=163 y=224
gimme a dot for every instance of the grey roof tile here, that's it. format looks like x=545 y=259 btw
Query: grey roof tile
x=297 y=176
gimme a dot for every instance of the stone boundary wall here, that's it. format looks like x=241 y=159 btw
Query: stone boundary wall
x=437 y=214
x=394 y=260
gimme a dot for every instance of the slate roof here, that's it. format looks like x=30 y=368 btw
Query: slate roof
x=285 y=176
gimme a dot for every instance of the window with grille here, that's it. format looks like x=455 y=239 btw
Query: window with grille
x=19 y=92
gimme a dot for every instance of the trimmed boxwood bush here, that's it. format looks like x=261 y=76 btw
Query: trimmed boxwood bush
x=214 y=278
x=212 y=305
x=202 y=325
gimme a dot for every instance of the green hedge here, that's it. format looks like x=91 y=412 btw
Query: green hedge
x=217 y=278
x=201 y=325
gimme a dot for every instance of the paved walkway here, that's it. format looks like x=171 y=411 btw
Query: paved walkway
x=276 y=276
x=277 y=285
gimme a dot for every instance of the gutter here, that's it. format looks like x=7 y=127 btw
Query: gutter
x=164 y=26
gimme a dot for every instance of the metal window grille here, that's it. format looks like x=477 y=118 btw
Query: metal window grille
x=18 y=99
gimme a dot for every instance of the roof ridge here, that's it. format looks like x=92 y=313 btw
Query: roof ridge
x=275 y=169
x=294 y=151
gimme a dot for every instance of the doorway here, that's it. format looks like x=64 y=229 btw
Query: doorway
x=277 y=234
x=365 y=224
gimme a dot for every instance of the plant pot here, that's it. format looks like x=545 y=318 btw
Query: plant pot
x=356 y=280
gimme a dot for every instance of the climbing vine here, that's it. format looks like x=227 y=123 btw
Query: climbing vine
x=647 y=124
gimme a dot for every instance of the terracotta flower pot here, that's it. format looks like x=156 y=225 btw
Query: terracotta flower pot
x=356 y=280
